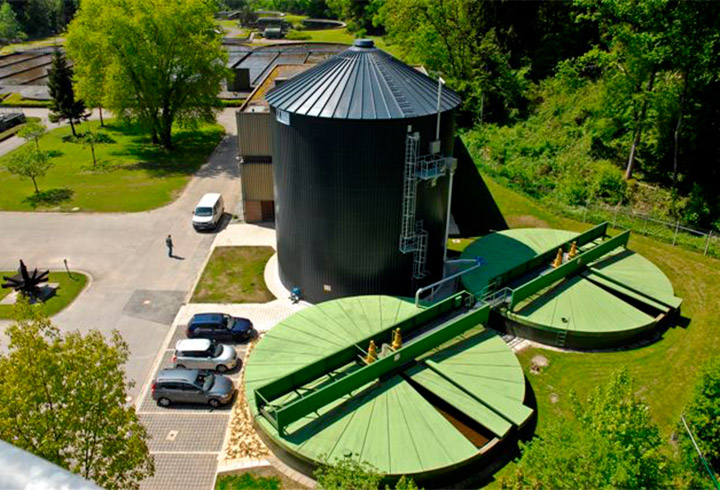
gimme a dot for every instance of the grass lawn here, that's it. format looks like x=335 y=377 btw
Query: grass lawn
x=227 y=23
x=17 y=100
x=68 y=289
x=37 y=43
x=263 y=478
x=131 y=174
x=665 y=371
x=234 y=275
x=295 y=19
x=345 y=37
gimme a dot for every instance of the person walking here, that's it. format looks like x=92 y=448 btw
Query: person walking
x=169 y=243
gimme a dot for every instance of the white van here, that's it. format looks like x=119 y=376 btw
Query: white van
x=208 y=212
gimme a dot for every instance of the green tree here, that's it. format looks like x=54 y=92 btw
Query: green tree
x=64 y=399
x=33 y=130
x=347 y=473
x=92 y=139
x=10 y=28
x=359 y=14
x=610 y=443
x=461 y=40
x=634 y=35
x=29 y=162
x=163 y=61
x=63 y=104
x=703 y=417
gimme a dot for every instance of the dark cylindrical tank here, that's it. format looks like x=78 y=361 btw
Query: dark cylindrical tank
x=339 y=151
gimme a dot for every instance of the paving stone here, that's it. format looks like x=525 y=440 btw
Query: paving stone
x=182 y=472
x=195 y=432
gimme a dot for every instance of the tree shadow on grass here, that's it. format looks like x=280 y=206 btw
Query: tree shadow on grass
x=101 y=167
x=191 y=148
x=50 y=197
x=54 y=153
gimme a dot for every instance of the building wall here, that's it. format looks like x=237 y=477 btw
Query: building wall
x=257 y=181
x=254 y=134
x=257 y=191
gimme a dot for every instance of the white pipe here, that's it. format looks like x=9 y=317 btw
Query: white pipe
x=441 y=281
x=440 y=84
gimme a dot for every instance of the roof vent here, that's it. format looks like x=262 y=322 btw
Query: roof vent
x=364 y=43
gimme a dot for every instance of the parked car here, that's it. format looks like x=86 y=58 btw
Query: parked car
x=204 y=354
x=208 y=212
x=220 y=326
x=192 y=386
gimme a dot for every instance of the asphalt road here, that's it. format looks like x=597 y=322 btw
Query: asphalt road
x=135 y=287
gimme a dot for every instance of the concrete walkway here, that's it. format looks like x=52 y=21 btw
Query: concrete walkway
x=196 y=423
x=135 y=288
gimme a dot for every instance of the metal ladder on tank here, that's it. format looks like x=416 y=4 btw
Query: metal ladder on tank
x=408 y=225
x=413 y=236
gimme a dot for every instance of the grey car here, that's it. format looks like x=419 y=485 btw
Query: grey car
x=192 y=386
x=204 y=354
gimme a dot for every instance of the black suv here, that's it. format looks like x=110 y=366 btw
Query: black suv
x=219 y=326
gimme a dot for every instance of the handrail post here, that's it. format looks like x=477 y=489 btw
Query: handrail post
x=707 y=243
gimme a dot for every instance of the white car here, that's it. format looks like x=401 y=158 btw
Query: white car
x=204 y=354
x=208 y=212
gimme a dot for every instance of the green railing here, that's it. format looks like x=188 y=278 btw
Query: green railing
x=267 y=394
x=600 y=231
x=394 y=361
x=571 y=266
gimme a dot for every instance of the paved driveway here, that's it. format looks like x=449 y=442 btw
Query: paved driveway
x=135 y=287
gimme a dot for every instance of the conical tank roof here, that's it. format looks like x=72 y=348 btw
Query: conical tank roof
x=362 y=82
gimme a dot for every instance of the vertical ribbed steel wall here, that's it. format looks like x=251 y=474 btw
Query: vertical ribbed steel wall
x=338 y=203
x=338 y=168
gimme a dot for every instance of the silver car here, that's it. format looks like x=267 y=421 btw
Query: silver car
x=204 y=354
x=192 y=386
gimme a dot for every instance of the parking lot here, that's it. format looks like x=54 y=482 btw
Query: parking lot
x=186 y=440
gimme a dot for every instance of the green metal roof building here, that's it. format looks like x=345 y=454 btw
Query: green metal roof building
x=605 y=296
x=436 y=403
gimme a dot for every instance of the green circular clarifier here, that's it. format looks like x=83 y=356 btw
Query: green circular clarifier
x=442 y=412
x=610 y=301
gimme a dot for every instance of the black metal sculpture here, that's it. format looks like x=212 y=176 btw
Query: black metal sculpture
x=26 y=283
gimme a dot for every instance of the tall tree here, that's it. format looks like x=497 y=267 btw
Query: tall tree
x=30 y=163
x=163 y=60
x=610 y=443
x=63 y=104
x=634 y=33
x=64 y=399
x=10 y=28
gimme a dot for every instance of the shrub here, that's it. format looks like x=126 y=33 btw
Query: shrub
x=297 y=35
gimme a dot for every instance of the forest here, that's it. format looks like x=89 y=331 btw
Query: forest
x=34 y=18
x=575 y=101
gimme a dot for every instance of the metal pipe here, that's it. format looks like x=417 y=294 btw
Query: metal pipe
x=440 y=84
x=447 y=219
x=702 y=457
x=441 y=281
